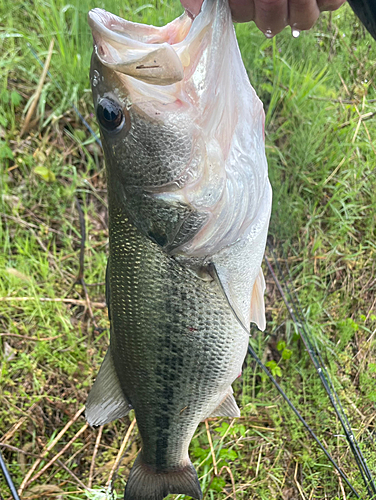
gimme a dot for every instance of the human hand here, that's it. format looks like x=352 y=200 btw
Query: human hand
x=271 y=16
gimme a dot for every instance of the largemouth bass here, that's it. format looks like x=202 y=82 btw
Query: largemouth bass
x=189 y=207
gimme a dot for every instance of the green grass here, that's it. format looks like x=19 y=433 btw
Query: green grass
x=322 y=167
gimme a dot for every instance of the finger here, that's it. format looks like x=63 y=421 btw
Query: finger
x=193 y=7
x=271 y=16
x=329 y=4
x=242 y=10
x=303 y=14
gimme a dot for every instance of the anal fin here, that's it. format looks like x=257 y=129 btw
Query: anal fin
x=227 y=407
x=106 y=401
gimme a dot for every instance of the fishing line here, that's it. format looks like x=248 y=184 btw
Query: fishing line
x=310 y=344
x=57 y=84
x=8 y=478
x=280 y=390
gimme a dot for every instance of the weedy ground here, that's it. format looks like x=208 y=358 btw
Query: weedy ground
x=319 y=96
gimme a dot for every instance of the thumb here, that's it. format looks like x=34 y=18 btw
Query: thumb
x=193 y=7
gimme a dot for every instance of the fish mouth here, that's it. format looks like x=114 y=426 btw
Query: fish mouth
x=145 y=52
x=159 y=56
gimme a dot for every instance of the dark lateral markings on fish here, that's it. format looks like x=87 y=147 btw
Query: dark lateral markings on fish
x=188 y=188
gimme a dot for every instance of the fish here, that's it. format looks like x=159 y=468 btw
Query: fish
x=189 y=206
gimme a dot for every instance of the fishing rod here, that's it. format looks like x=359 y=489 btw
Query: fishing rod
x=298 y=318
x=252 y=352
x=296 y=313
x=301 y=419
x=8 y=478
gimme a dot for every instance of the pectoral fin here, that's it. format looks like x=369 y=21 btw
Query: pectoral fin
x=106 y=401
x=234 y=294
x=237 y=293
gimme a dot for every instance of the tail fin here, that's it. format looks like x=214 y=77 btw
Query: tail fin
x=146 y=484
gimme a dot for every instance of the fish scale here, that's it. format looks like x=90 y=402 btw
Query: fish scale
x=157 y=302
x=189 y=207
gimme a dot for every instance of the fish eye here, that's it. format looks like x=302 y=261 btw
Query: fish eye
x=110 y=114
